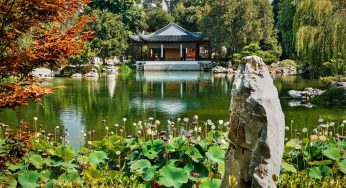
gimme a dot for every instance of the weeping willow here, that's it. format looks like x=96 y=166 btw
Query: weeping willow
x=320 y=31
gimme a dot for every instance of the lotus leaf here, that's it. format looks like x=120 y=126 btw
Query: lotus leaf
x=149 y=173
x=315 y=173
x=332 y=153
x=92 y=174
x=216 y=154
x=171 y=176
x=36 y=160
x=288 y=167
x=28 y=179
x=342 y=166
x=140 y=165
x=151 y=149
x=97 y=157
x=319 y=163
x=194 y=154
x=65 y=152
x=210 y=183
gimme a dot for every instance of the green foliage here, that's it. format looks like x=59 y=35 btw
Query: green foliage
x=254 y=49
x=189 y=159
x=331 y=79
x=82 y=58
x=332 y=97
x=317 y=158
x=171 y=176
x=287 y=63
x=158 y=18
x=284 y=24
x=320 y=27
x=132 y=15
x=110 y=38
x=28 y=179
x=68 y=71
x=124 y=68
x=190 y=16
x=234 y=24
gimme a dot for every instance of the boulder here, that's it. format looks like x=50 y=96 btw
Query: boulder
x=93 y=73
x=295 y=94
x=219 y=69
x=257 y=128
x=306 y=94
x=77 y=75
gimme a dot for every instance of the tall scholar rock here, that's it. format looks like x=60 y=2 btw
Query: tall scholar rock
x=257 y=128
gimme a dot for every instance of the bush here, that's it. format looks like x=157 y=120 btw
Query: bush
x=332 y=97
x=124 y=68
x=68 y=71
x=331 y=79
x=287 y=63
x=254 y=49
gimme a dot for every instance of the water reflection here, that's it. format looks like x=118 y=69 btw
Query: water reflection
x=82 y=104
x=111 y=84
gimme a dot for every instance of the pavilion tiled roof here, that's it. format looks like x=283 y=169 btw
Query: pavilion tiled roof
x=170 y=33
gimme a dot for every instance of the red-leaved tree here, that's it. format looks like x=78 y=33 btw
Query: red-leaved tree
x=35 y=33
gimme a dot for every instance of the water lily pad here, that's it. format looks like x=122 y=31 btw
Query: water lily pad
x=288 y=167
x=342 y=166
x=210 y=183
x=28 y=179
x=216 y=154
x=315 y=173
x=97 y=157
x=140 y=165
x=171 y=176
x=332 y=153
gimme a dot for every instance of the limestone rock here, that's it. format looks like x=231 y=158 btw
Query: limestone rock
x=77 y=75
x=257 y=127
x=93 y=73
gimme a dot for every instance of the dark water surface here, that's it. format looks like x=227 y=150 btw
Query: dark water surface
x=82 y=104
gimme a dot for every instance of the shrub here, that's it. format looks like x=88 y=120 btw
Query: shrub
x=332 y=97
x=68 y=71
x=331 y=79
x=124 y=68
x=255 y=49
x=287 y=63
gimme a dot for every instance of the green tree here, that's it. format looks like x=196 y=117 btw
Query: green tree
x=110 y=38
x=132 y=14
x=320 y=32
x=158 y=18
x=255 y=49
x=286 y=11
x=82 y=58
x=236 y=23
x=190 y=17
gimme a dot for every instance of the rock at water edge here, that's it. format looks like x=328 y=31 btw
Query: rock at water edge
x=257 y=127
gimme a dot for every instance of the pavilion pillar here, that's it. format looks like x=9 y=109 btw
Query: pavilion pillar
x=161 y=51
x=181 y=51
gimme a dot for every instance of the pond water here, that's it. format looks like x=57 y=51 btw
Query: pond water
x=81 y=104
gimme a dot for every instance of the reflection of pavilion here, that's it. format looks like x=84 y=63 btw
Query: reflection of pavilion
x=172 y=78
x=176 y=76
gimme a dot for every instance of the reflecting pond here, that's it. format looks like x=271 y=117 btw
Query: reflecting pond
x=82 y=104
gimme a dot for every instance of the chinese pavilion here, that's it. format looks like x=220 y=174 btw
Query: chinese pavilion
x=172 y=48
